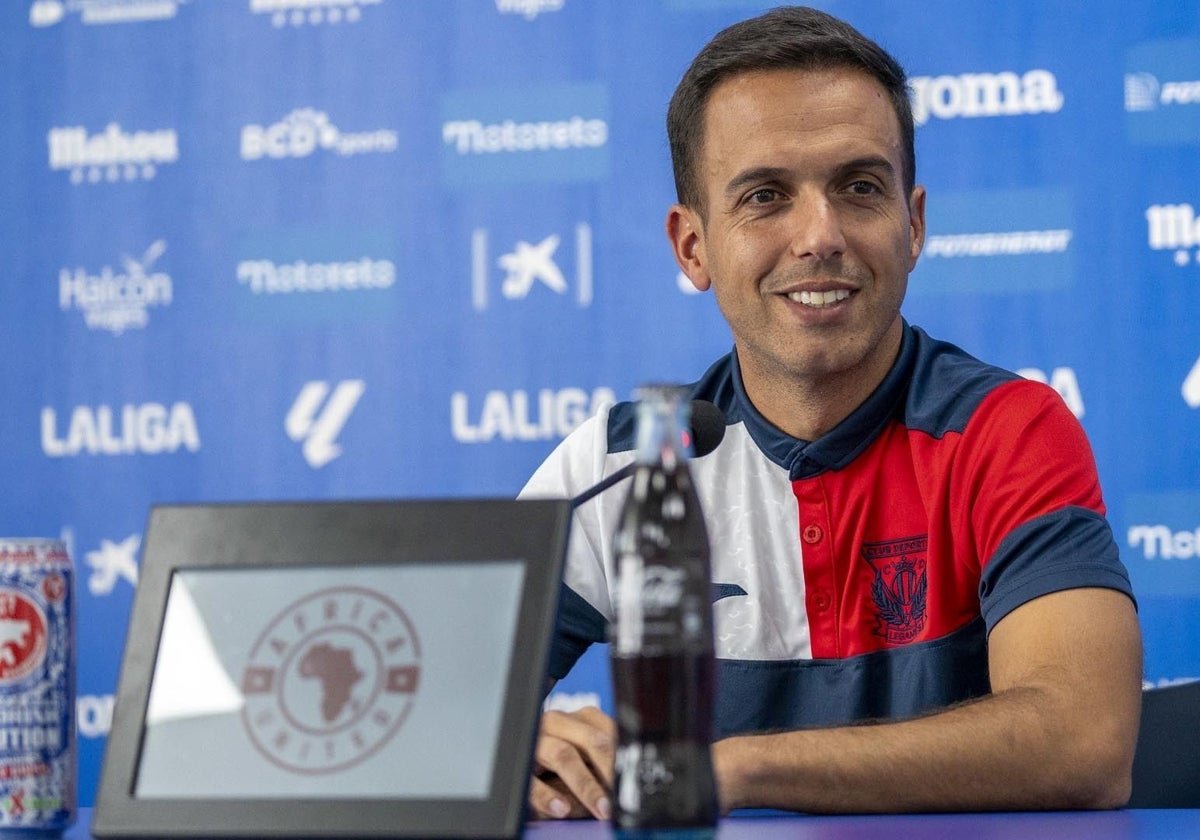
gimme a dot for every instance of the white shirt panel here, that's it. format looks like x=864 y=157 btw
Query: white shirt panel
x=753 y=527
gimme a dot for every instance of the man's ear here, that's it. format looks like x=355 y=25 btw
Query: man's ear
x=686 y=233
x=916 y=225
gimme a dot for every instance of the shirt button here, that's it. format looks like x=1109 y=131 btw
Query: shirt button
x=812 y=534
x=822 y=602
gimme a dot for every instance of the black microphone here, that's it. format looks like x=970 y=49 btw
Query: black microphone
x=704 y=435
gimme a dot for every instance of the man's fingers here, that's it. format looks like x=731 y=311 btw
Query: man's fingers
x=592 y=733
x=575 y=776
x=549 y=800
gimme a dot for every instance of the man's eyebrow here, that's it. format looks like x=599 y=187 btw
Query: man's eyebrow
x=868 y=162
x=758 y=174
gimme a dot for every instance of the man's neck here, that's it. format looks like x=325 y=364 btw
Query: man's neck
x=808 y=407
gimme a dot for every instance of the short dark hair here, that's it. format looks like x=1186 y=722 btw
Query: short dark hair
x=786 y=38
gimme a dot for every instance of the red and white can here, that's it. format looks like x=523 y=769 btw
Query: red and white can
x=37 y=687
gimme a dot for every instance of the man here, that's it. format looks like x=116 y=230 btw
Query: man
x=920 y=604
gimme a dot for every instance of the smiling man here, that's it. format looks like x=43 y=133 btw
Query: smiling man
x=921 y=604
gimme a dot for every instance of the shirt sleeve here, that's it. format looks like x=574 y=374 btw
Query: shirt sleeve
x=1036 y=511
x=579 y=462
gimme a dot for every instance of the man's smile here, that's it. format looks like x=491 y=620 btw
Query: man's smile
x=818 y=300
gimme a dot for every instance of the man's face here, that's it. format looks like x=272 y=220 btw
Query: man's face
x=808 y=235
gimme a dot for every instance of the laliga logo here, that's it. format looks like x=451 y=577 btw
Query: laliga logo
x=22 y=634
x=330 y=680
x=319 y=427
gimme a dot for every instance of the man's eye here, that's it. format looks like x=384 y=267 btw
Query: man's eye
x=762 y=196
x=864 y=188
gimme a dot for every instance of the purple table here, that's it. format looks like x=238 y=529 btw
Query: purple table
x=1057 y=825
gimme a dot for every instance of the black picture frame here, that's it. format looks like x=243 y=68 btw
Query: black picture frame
x=308 y=534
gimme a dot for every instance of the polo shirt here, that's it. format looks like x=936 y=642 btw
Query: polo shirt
x=857 y=576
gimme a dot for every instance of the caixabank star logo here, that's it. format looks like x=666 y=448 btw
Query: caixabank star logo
x=331 y=680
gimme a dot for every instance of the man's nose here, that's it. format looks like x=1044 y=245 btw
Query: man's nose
x=817 y=228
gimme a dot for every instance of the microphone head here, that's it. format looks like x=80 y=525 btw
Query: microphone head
x=707 y=427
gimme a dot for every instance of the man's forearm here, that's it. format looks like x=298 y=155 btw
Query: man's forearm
x=1059 y=730
x=1013 y=750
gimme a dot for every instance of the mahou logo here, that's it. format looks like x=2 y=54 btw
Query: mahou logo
x=22 y=636
x=112 y=155
x=330 y=680
x=311 y=12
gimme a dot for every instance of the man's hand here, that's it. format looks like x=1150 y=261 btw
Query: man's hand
x=573 y=771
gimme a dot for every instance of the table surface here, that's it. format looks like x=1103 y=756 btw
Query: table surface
x=1057 y=825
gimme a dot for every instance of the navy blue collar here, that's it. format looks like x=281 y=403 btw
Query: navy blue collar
x=843 y=443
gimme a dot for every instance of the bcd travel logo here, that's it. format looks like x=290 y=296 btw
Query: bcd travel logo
x=297 y=13
x=315 y=422
x=521 y=415
x=117 y=299
x=970 y=95
x=1162 y=92
x=524 y=266
x=111 y=155
x=102 y=12
x=549 y=133
x=131 y=429
x=306 y=131
x=998 y=241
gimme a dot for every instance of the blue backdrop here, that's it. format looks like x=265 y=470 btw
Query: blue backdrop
x=298 y=249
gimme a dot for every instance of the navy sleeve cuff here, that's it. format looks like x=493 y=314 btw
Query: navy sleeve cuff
x=579 y=625
x=1071 y=548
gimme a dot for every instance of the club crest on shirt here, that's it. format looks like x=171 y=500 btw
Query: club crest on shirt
x=900 y=586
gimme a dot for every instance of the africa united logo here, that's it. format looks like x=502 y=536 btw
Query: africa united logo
x=900 y=586
x=331 y=680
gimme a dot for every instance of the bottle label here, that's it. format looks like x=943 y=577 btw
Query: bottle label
x=662 y=589
x=659 y=609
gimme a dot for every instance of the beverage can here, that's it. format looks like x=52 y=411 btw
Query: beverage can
x=37 y=688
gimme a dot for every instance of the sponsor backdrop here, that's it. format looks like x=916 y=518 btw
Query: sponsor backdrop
x=318 y=249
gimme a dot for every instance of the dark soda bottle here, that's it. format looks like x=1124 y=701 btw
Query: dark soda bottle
x=661 y=644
